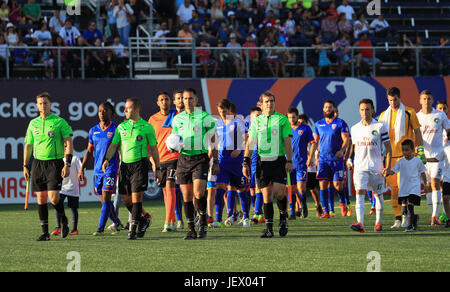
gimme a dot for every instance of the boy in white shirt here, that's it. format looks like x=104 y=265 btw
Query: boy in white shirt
x=411 y=171
x=71 y=190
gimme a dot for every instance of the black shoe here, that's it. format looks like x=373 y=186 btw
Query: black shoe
x=44 y=237
x=292 y=217
x=415 y=221
x=267 y=233
x=298 y=213
x=127 y=226
x=191 y=235
x=283 y=228
x=132 y=235
x=319 y=210
x=142 y=226
x=202 y=231
x=64 y=227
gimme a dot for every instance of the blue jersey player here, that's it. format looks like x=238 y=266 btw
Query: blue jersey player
x=331 y=135
x=301 y=136
x=100 y=137
x=231 y=134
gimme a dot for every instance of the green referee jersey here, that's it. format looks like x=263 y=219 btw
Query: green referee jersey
x=269 y=133
x=47 y=137
x=134 y=139
x=193 y=128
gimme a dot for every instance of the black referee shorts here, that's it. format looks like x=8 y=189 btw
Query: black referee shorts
x=133 y=177
x=168 y=172
x=192 y=167
x=268 y=172
x=46 y=175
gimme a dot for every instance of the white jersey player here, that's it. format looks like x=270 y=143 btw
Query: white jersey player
x=433 y=124
x=445 y=157
x=367 y=138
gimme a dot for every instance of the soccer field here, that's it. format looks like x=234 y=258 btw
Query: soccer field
x=313 y=244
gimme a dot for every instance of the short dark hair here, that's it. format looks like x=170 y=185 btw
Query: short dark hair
x=137 y=103
x=177 y=91
x=108 y=105
x=255 y=109
x=330 y=101
x=191 y=90
x=233 y=108
x=393 y=91
x=426 y=92
x=303 y=117
x=44 y=94
x=162 y=93
x=267 y=93
x=292 y=110
x=224 y=103
x=367 y=101
x=442 y=101
x=409 y=143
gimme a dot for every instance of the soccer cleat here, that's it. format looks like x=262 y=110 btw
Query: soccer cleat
x=344 y=210
x=132 y=235
x=267 y=233
x=332 y=215
x=358 y=227
x=292 y=217
x=191 y=235
x=378 y=228
x=209 y=220
x=443 y=218
x=255 y=219
x=143 y=224
x=410 y=228
x=44 y=237
x=202 y=231
x=169 y=227
x=319 y=211
x=262 y=219
x=57 y=231
x=350 y=212
x=229 y=221
x=99 y=233
x=73 y=232
x=405 y=221
x=241 y=222
x=397 y=224
x=246 y=223
x=298 y=213
x=304 y=213
x=283 y=228
x=127 y=226
x=435 y=221
x=65 y=227
x=180 y=225
x=372 y=211
x=114 y=228
x=325 y=215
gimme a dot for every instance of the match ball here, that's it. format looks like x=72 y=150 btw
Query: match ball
x=174 y=142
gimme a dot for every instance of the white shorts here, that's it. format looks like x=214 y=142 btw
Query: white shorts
x=434 y=170
x=368 y=180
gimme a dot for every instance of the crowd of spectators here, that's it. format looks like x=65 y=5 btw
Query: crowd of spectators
x=260 y=30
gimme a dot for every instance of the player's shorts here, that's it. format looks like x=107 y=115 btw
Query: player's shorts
x=312 y=182
x=446 y=189
x=46 y=175
x=414 y=199
x=210 y=184
x=434 y=170
x=104 y=182
x=252 y=182
x=168 y=172
x=133 y=177
x=332 y=170
x=367 y=180
x=268 y=172
x=190 y=168
x=72 y=202
x=231 y=174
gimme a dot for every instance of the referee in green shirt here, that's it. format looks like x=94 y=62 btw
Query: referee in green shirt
x=48 y=140
x=134 y=136
x=197 y=128
x=272 y=133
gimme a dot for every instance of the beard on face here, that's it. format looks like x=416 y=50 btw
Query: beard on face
x=329 y=115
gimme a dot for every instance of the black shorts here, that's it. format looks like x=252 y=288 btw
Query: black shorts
x=72 y=202
x=168 y=172
x=446 y=189
x=312 y=182
x=133 y=177
x=268 y=172
x=46 y=175
x=414 y=199
x=190 y=168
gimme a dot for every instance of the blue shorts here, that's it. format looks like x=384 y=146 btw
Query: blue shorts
x=106 y=182
x=299 y=174
x=253 y=181
x=332 y=170
x=231 y=174
x=210 y=184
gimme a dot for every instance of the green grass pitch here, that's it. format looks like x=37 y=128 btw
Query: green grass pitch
x=312 y=244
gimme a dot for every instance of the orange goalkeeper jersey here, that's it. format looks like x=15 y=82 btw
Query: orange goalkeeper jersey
x=163 y=128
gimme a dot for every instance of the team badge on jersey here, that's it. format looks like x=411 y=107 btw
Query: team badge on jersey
x=333 y=126
x=375 y=132
x=51 y=134
x=139 y=138
x=274 y=131
x=36 y=132
x=300 y=132
x=123 y=133
x=196 y=129
x=109 y=135
x=436 y=120
x=232 y=128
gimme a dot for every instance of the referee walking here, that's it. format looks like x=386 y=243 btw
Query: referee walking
x=48 y=140
x=272 y=133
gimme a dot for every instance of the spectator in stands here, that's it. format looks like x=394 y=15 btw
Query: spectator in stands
x=222 y=32
x=22 y=54
x=332 y=10
x=232 y=4
x=32 y=12
x=425 y=65
x=248 y=4
x=406 y=55
x=361 y=25
x=202 y=8
x=137 y=17
x=42 y=37
x=166 y=10
x=122 y=12
x=344 y=26
x=342 y=52
x=15 y=11
x=233 y=25
x=441 y=56
x=329 y=28
x=290 y=24
x=160 y=39
x=347 y=9
x=283 y=57
x=120 y=58
x=4 y=12
x=196 y=24
x=235 y=55
x=316 y=14
x=59 y=42
x=69 y=33
x=91 y=34
x=57 y=22
x=184 y=12
x=204 y=57
x=253 y=54
x=270 y=58
x=11 y=36
x=365 y=56
x=306 y=24
x=217 y=14
x=261 y=6
x=381 y=26
x=274 y=6
x=4 y=55
x=323 y=62
x=74 y=58
x=300 y=38
x=48 y=59
x=185 y=42
x=222 y=58
x=97 y=61
x=111 y=21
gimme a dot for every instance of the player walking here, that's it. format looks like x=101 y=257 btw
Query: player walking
x=272 y=134
x=367 y=137
x=48 y=139
x=197 y=128
x=433 y=124
x=100 y=137
x=134 y=136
